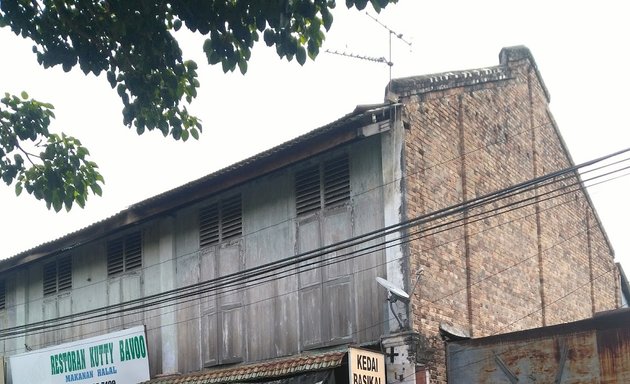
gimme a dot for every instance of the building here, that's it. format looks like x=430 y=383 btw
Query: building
x=457 y=190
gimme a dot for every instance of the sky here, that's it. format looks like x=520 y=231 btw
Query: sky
x=581 y=48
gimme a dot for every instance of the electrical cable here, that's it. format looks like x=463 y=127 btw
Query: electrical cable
x=194 y=293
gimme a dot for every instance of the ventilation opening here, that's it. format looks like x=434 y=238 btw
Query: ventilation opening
x=133 y=251
x=115 y=263
x=209 y=226
x=307 y=190
x=331 y=183
x=3 y=295
x=124 y=254
x=231 y=218
x=336 y=181
x=221 y=221
x=64 y=274
x=57 y=276
x=50 y=278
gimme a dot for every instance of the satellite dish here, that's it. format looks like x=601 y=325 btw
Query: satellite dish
x=395 y=293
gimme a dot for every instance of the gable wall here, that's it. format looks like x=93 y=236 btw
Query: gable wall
x=489 y=271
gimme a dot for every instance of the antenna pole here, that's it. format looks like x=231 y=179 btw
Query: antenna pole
x=383 y=60
x=399 y=36
x=390 y=60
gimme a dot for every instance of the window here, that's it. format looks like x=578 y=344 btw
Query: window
x=3 y=295
x=57 y=276
x=328 y=183
x=124 y=254
x=221 y=221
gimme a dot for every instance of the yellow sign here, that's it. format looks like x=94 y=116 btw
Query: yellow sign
x=366 y=367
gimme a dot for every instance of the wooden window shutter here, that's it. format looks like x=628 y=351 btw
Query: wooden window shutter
x=50 y=278
x=209 y=226
x=221 y=221
x=64 y=274
x=115 y=261
x=3 y=295
x=133 y=251
x=231 y=218
x=307 y=190
x=57 y=275
x=336 y=180
x=124 y=254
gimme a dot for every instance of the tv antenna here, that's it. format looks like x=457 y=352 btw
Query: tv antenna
x=362 y=57
x=399 y=36
x=382 y=60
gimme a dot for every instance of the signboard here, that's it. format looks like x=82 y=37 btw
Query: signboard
x=366 y=367
x=115 y=358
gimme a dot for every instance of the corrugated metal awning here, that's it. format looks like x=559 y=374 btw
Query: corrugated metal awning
x=310 y=368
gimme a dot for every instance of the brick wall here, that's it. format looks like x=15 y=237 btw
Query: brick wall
x=497 y=268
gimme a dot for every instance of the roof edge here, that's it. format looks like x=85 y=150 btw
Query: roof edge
x=275 y=368
x=331 y=135
x=509 y=55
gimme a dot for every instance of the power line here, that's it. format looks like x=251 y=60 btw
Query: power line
x=144 y=305
x=407 y=175
x=200 y=298
x=298 y=259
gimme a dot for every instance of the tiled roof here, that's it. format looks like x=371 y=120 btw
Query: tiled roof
x=269 y=369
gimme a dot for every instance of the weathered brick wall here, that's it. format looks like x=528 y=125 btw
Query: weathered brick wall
x=496 y=268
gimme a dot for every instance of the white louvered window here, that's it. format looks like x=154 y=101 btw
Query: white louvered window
x=124 y=254
x=322 y=185
x=3 y=295
x=57 y=276
x=221 y=221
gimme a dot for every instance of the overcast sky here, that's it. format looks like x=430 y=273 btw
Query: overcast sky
x=581 y=49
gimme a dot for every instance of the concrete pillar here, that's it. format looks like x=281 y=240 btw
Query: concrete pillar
x=400 y=358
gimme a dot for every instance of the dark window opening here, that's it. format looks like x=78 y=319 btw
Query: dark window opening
x=57 y=276
x=124 y=254
x=221 y=221
x=323 y=185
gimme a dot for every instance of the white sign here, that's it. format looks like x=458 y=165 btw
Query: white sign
x=115 y=358
x=366 y=367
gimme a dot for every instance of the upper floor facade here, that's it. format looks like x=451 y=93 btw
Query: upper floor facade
x=243 y=274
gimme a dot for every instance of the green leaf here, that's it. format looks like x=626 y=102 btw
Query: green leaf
x=194 y=133
x=24 y=95
x=300 y=55
x=242 y=66
x=96 y=189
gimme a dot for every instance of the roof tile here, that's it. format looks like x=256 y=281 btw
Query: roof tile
x=268 y=369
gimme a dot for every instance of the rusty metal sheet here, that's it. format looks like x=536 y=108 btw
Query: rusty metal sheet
x=596 y=350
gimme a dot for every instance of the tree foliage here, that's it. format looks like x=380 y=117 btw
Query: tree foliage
x=52 y=167
x=132 y=42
